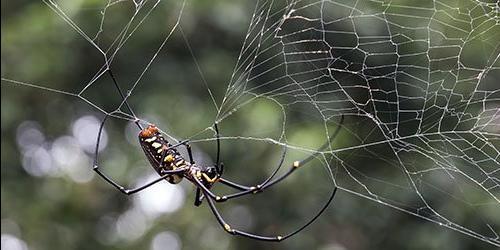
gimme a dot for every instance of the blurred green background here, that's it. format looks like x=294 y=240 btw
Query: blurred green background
x=51 y=199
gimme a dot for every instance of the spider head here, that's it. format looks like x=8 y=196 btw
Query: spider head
x=148 y=132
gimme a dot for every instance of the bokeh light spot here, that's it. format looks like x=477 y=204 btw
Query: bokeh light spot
x=85 y=130
x=160 y=198
x=11 y=242
x=166 y=241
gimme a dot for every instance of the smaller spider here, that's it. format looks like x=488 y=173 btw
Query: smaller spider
x=173 y=167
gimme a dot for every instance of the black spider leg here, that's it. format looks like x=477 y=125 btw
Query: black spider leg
x=122 y=189
x=268 y=183
x=236 y=185
x=233 y=231
x=218 y=165
x=241 y=187
x=227 y=227
x=198 y=197
x=163 y=175
x=191 y=160
x=124 y=98
x=246 y=188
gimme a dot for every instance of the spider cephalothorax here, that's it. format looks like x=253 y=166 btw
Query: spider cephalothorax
x=172 y=166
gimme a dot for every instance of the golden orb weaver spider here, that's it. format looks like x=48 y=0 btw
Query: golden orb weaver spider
x=172 y=167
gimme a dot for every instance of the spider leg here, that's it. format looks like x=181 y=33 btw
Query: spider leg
x=164 y=174
x=218 y=164
x=233 y=184
x=253 y=189
x=245 y=190
x=232 y=231
x=190 y=153
x=140 y=188
x=118 y=186
x=198 y=198
x=249 y=190
x=239 y=186
x=123 y=97
x=183 y=143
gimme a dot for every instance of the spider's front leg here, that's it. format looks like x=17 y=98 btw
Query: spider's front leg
x=220 y=169
x=199 y=197
x=219 y=166
x=244 y=190
x=249 y=190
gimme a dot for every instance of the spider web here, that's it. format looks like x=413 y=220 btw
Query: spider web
x=419 y=104
x=406 y=72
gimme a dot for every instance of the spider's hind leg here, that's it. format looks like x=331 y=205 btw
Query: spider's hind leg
x=198 y=198
x=233 y=231
x=121 y=188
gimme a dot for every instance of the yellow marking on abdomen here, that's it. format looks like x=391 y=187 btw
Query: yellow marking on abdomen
x=169 y=158
x=151 y=139
x=156 y=145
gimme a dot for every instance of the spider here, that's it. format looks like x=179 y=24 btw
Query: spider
x=173 y=167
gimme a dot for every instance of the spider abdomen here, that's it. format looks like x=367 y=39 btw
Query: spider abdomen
x=160 y=154
x=176 y=162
